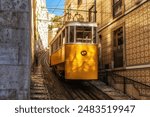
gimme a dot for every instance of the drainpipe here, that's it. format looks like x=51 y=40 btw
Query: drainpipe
x=95 y=10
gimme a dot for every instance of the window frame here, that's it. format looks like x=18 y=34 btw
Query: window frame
x=79 y=2
x=123 y=45
x=92 y=35
x=114 y=7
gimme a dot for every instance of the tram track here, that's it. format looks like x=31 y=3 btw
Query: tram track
x=76 y=91
x=73 y=90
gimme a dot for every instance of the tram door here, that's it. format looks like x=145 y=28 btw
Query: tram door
x=118 y=48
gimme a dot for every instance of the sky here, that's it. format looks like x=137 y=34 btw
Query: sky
x=54 y=6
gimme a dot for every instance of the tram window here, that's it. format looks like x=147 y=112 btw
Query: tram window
x=55 y=47
x=66 y=35
x=57 y=43
x=84 y=34
x=94 y=35
x=63 y=36
x=71 y=34
x=59 y=39
x=52 y=48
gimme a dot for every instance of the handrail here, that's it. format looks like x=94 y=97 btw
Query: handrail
x=130 y=79
x=137 y=85
x=143 y=89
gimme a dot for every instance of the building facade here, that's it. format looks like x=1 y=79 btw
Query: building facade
x=124 y=34
x=125 y=40
x=80 y=10
x=42 y=18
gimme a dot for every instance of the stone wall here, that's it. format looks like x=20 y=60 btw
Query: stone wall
x=14 y=49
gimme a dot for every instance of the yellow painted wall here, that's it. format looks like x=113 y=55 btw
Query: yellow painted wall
x=58 y=56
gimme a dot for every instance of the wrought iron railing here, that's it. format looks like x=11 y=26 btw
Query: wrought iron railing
x=142 y=88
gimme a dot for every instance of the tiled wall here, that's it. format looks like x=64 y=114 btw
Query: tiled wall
x=136 y=51
x=137 y=27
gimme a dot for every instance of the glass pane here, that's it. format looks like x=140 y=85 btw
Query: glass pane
x=71 y=34
x=84 y=34
x=54 y=45
x=118 y=48
x=59 y=40
x=115 y=1
x=94 y=36
x=52 y=48
x=117 y=8
x=63 y=37
x=67 y=35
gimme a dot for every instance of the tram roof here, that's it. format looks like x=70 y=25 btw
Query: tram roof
x=81 y=24
x=74 y=23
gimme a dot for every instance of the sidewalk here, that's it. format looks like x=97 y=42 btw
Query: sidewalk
x=38 y=89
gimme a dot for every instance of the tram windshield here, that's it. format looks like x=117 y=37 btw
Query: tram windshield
x=81 y=34
x=85 y=34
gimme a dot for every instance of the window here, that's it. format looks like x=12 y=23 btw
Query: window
x=63 y=37
x=59 y=39
x=84 y=34
x=79 y=2
x=52 y=48
x=71 y=34
x=118 y=37
x=94 y=35
x=66 y=35
x=118 y=47
x=55 y=45
x=117 y=8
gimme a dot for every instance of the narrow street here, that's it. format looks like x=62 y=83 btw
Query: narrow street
x=74 y=58
x=97 y=49
x=38 y=87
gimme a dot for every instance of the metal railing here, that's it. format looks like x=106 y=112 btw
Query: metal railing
x=142 y=88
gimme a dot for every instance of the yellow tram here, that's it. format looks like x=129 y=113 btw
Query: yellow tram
x=74 y=51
